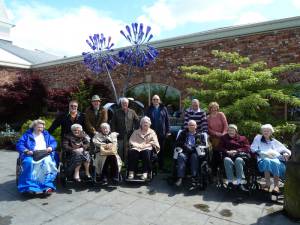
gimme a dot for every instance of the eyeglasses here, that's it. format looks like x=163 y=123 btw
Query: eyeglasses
x=155 y=99
x=75 y=106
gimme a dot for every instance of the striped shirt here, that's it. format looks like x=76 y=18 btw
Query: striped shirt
x=199 y=116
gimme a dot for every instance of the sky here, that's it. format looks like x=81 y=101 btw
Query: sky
x=61 y=27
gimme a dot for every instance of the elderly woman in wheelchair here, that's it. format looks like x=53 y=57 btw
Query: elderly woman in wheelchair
x=107 y=160
x=37 y=158
x=189 y=150
x=142 y=142
x=234 y=150
x=271 y=157
x=75 y=146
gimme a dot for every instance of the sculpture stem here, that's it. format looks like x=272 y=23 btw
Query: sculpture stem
x=112 y=84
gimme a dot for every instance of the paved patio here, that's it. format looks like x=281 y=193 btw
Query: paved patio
x=155 y=204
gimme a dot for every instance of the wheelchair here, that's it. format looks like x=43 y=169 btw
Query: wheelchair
x=253 y=176
x=138 y=173
x=19 y=170
x=203 y=176
x=99 y=177
x=249 y=171
x=66 y=176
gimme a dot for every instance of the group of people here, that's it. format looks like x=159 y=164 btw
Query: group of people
x=127 y=139
x=229 y=148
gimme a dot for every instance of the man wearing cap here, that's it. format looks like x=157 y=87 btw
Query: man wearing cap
x=94 y=116
x=235 y=148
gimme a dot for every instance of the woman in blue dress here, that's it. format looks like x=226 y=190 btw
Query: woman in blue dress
x=271 y=156
x=38 y=168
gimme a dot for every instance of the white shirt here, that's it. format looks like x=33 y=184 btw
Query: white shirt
x=273 y=145
x=40 y=143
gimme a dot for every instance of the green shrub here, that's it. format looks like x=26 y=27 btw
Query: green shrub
x=249 y=94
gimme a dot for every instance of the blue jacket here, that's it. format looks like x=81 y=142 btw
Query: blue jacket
x=26 y=141
x=164 y=127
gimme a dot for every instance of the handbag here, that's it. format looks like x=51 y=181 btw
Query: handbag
x=39 y=154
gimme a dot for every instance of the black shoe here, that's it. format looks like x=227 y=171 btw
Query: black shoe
x=115 y=182
x=194 y=181
x=242 y=187
x=230 y=186
x=104 y=181
x=178 y=182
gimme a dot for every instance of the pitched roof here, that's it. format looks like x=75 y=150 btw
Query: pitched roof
x=33 y=57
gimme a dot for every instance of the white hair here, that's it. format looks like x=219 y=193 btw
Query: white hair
x=156 y=96
x=192 y=121
x=36 y=122
x=105 y=125
x=233 y=126
x=196 y=100
x=123 y=99
x=145 y=119
x=76 y=126
x=268 y=126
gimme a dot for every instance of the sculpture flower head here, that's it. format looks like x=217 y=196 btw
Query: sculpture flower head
x=140 y=53
x=100 y=59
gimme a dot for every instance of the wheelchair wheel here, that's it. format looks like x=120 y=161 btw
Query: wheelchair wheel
x=18 y=170
x=219 y=178
x=204 y=176
x=63 y=180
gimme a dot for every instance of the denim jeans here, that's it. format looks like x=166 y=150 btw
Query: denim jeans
x=238 y=164
x=182 y=161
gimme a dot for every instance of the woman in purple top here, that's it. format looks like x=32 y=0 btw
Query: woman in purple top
x=233 y=147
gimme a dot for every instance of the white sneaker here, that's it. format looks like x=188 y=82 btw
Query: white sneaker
x=130 y=175
x=144 y=176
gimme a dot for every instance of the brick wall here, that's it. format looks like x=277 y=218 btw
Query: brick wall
x=276 y=47
x=9 y=75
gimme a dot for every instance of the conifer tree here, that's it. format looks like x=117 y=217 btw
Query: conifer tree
x=249 y=93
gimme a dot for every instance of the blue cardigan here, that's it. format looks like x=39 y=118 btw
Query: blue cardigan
x=163 y=119
x=27 y=141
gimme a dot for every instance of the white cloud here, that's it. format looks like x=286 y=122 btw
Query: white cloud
x=250 y=17
x=296 y=3
x=168 y=14
x=61 y=32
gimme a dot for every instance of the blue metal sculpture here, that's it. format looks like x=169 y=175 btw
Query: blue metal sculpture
x=101 y=58
x=140 y=53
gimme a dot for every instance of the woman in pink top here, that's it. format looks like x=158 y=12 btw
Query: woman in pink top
x=217 y=124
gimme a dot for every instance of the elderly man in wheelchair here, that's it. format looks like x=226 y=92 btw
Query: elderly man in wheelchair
x=191 y=149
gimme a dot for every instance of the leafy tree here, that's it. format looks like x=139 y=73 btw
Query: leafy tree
x=21 y=99
x=249 y=93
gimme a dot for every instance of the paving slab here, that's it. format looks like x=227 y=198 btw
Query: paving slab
x=156 y=204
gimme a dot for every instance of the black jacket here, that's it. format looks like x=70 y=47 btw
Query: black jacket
x=64 y=120
x=182 y=141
